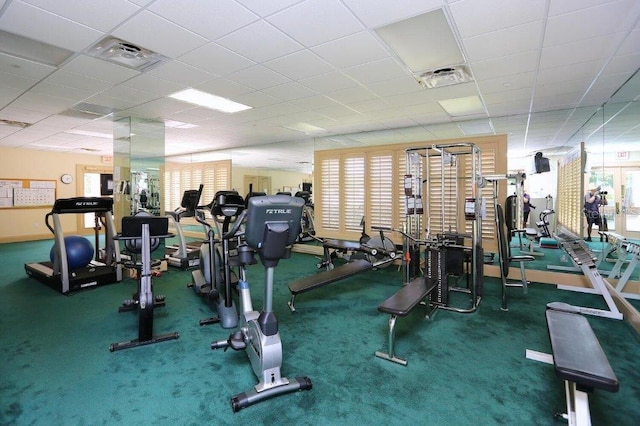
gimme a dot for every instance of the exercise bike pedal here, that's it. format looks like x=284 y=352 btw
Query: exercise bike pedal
x=235 y=342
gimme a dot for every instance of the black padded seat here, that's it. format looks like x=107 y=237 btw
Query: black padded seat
x=577 y=354
x=402 y=302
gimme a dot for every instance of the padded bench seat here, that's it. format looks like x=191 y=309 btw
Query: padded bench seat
x=578 y=359
x=401 y=304
x=326 y=277
x=577 y=354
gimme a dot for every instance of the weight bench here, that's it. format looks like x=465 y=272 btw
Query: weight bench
x=578 y=359
x=326 y=277
x=400 y=305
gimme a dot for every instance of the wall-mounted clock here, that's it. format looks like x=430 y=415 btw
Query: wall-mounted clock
x=66 y=178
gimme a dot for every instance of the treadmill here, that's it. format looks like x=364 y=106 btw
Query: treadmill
x=184 y=255
x=56 y=274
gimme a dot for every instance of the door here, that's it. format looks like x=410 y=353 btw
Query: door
x=89 y=185
x=621 y=188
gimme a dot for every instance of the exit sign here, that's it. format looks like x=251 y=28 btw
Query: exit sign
x=622 y=155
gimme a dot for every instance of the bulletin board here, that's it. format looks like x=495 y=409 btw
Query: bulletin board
x=25 y=193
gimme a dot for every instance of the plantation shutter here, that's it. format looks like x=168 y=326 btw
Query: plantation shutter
x=380 y=193
x=354 y=189
x=330 y=187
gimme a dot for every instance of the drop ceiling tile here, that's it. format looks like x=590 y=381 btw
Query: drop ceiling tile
x=126 y=93
x=20 y=114
x=474 y=17
x=260 y=42
x=579 y=51
x=563 y=87
x=160 y=107
x=62 y=92
x=352 y=50
x=210 y=19
x=299 y=65
x=568 y=6
x=266 y=8
x=504 y=96
x=111 y=102
x=38 y=24
x=257 y=99
x=216 y=59
x=544 y=103
x=181 y=73
x=505 y=42
x=622 y=64
x=225 y=88
x=316 y=21
x=72 y=80
x=258 y=77
x=99 y=69
x=151 y=84
x=510 y=107
x=631 y=44
x=506 y=65
x=368 y=105
x=328 y=82
x=582 y=70
x=506 y=83
x=604 y=20
x=42 y=103
x=408 y=99
x=13 y=81
x=158 y=34
x=289 y=91
x=314 y=102
x=396 y=86
x=98 y=14
x=24 y=68
x=351 y=95
x=388 y=11
x=377 y=71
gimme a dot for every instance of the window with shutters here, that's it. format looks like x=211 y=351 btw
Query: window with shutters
x=354 y=193
x=381 y=190
x=214 y=176
x=330 y=193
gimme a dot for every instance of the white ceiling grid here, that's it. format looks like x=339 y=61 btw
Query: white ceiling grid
x=541 y=69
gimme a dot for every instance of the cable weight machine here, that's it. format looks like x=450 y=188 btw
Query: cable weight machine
x=443 y=225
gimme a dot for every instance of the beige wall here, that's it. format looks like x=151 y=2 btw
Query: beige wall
x=22 y=224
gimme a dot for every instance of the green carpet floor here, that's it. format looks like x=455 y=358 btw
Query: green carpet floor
x=56 y=369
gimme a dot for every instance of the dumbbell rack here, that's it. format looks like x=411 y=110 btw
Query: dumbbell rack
x=584 y=259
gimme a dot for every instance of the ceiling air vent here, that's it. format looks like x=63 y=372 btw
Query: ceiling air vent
x=444 y=77
x=123 y=53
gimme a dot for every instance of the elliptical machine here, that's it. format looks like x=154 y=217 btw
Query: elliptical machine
x=214 y=279
x=272 y=226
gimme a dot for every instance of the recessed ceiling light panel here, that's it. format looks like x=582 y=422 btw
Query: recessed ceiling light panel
x=208 y=100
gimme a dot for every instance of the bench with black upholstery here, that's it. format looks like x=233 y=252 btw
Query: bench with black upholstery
x=578 y=359
x=326 y=277
x=400 y=305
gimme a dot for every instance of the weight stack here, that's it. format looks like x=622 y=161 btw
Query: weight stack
x=479 y=264
x=436 y=271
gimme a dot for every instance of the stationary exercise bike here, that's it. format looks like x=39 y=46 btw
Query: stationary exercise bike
x=214 y=279
x=272 y=225
x=141 y=235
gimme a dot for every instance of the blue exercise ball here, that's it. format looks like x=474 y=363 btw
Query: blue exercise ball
x=79 y=251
